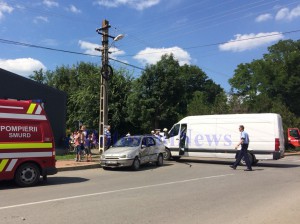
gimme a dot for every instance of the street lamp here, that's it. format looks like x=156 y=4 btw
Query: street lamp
x=106 y=72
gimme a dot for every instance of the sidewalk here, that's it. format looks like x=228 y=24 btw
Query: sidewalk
x=67 y=165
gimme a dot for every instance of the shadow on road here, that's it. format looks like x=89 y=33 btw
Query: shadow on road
x=189 y=162
x=149 y=166
x=52 y=180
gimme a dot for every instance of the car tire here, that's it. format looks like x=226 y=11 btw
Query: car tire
x=167 y=154
x=136 y=164
x=160 y=160
x=28 y=174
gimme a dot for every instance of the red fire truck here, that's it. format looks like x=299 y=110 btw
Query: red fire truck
x=27 y=148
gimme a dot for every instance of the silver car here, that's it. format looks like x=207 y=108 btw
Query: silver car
x=133 y=151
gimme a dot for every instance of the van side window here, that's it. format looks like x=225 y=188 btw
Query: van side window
x=174 y=131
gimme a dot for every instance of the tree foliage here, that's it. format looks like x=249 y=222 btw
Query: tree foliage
x=274 y=77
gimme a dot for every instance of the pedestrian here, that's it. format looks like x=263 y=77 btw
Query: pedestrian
x=107 y=136
x=157 y=134
x=88 y=147
x=77 y=143
x=244 y=142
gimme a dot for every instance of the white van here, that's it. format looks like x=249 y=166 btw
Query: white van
x=217 y=136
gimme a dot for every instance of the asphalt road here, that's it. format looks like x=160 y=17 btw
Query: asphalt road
x=189 y=191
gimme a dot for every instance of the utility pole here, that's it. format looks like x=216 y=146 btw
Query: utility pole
x=106 y=73
x=103 y=115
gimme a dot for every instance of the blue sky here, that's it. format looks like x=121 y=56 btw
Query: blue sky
x=215 y=35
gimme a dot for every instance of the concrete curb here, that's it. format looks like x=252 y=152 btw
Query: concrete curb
x=291 y=153
x=83 y=167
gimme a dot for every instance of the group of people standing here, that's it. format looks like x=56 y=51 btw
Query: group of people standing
x=83 y=142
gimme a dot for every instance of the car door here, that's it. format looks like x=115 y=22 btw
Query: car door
x=144 y=151
x=152 y=152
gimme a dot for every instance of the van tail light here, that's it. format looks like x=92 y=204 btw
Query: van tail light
x=277 y=144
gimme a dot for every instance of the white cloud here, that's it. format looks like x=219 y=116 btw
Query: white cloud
x=4 y=8
x=153 y=55
x=40 y=18
x=250 y=41
x=89 y=48
x=263 y=17
x=136 y=4
x=50 y=3
x=115 y=52
x=289 y=15
x=72 y=8
x=22 y=66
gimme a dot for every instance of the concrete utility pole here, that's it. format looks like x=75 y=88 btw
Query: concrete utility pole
x=106 y=73
x=103 y=115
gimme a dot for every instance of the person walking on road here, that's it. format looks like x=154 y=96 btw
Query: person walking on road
x=244 y=142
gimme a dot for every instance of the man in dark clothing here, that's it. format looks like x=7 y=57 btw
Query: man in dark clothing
x=244 y=142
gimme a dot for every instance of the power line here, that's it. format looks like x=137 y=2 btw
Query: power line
x=215 y=44
x=60 y=50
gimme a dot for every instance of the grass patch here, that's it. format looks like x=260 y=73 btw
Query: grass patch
x=65 y=157
x=295 y=149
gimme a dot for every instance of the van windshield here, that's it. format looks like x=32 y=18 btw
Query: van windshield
x=174 y=131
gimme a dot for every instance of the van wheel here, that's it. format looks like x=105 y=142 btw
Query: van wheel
x=243 y=162
x=136 y=164
x=27 y=175
x=160 y=160
x=167 y=155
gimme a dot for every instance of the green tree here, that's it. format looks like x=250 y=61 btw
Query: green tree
x=155 y=98
x=276 y=77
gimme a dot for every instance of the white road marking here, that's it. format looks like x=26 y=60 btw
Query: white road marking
x=114 y=191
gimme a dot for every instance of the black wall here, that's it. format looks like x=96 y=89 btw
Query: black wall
x=13 y=86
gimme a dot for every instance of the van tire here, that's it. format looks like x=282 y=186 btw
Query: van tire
x=28 y=174
x=167 y=154
x=243 y=162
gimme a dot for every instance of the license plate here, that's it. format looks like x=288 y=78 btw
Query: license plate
x=111 y=162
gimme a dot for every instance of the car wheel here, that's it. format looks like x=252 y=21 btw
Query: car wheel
x=27 y=175
x=167 y=154
x=160 y=160
x=136 y=164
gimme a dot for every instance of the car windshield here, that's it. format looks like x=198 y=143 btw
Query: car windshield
x=132 y=141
